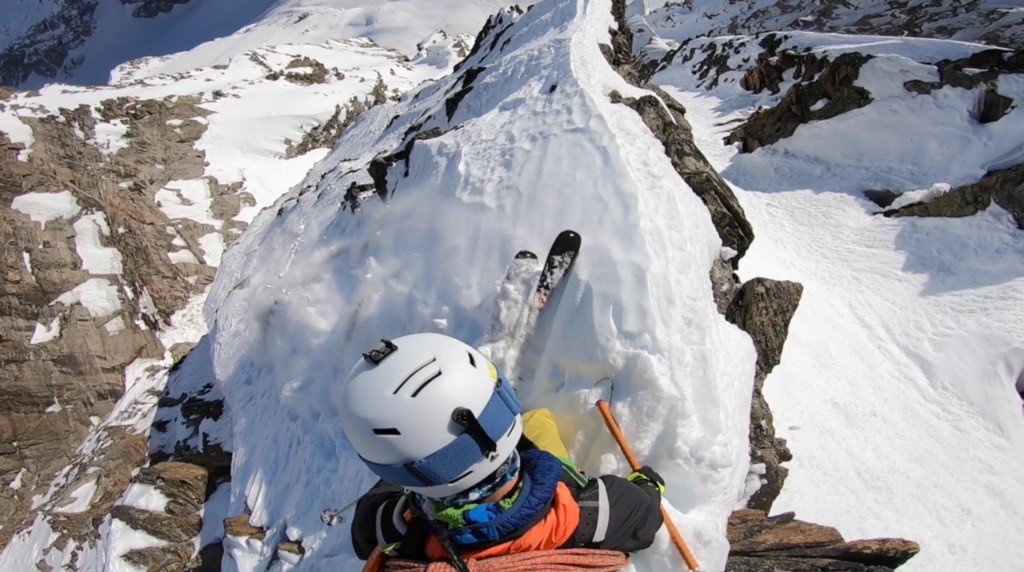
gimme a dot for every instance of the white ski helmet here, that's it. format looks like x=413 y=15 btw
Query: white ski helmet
x=429 y=413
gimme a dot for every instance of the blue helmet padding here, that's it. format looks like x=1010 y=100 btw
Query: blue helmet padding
x=446 y=464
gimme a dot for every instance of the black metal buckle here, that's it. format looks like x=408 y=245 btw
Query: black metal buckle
x=465 y=418
x=380 y=352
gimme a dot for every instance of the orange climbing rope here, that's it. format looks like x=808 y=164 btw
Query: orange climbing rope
x=567 y=560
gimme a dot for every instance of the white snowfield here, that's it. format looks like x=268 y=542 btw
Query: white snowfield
x=536 y=147
x=896 y=389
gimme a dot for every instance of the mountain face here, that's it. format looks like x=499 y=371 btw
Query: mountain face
x=386 y=183
x=50 y=32
x=989 y=21
x=82 y=42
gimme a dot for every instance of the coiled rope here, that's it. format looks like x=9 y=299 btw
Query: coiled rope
x=567 y=560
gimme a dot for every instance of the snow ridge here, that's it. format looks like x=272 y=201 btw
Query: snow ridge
x=311 y=285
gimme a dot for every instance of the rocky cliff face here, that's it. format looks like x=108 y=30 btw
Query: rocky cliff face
x=85 y=293
x=112 y=227
x=44 y=49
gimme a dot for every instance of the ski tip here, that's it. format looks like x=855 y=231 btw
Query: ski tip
x=525 y=254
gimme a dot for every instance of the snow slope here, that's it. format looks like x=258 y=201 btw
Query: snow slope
x=310 y=286
x=896 y=387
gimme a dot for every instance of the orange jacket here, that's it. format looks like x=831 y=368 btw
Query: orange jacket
x=553 y=531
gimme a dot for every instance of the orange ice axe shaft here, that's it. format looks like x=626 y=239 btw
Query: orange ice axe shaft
x=677 y=538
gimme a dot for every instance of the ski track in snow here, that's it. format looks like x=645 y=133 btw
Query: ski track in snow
x=895 y=390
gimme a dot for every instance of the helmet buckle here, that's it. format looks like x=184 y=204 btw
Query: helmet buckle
x=468 y=421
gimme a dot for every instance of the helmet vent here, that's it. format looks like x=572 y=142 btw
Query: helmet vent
x=472 y=361
x=462 y=476
x=387 y=431
x=426 y=383
x=410 y=376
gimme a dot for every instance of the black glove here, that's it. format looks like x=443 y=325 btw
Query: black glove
x=645 y=473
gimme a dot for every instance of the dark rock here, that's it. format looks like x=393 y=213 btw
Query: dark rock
x=451 y=105
x=238 y=526
x=1004 y=187
x=835 y=85
x=771 y=68
x=292 y=547
x=918 y=86
x=495 y=26
x=152 y=8
x=316 y=74
x=170 y=558
x=993 y=106
x=952 y=75
x=167 y=527
x=882 y=198
x=978 y=69
x=764 y=308
x=43 y=49
x=184 y=484
x=674 y=132
x=208 y=559
x=762 y=544
x=380 y=166
x=725 y=284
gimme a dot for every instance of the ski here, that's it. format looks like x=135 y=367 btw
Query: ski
x=513 y=297
x=560 y=259
x=524 y=292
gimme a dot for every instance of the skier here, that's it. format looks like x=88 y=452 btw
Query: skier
x=465 y=474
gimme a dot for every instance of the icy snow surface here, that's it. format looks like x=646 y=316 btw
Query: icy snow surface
x=896 y=387
x=310 y=286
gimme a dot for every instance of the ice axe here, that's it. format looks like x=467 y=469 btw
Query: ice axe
x=634 y=464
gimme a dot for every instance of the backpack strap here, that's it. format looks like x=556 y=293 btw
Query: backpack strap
x=594 y=509
x=592 y=498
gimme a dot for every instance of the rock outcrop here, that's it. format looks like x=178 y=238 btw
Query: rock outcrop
x=762 y=544
x=1004 y=188
x=831 y=92
x=184 y=487
x=671 y=128
x=152 y=8
x=764 y=308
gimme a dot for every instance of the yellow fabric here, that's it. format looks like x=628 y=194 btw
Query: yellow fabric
x=539 y=426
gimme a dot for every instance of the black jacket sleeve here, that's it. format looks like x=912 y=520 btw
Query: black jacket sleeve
x=634 y=514
x=378 y=518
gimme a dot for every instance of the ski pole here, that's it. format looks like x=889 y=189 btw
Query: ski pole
x=673 y=532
